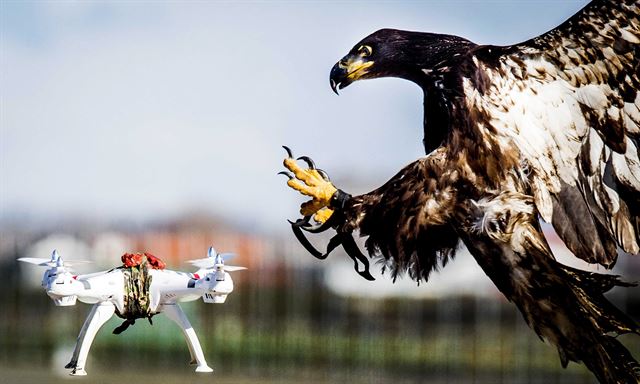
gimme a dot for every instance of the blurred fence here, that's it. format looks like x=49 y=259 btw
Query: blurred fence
x=282 y=324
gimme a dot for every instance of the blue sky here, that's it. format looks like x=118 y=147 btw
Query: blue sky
x=136 y=110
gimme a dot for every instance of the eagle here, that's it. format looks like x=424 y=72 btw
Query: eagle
x=544 y=130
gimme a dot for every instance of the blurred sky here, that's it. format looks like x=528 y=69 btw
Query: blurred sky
x=142 y=110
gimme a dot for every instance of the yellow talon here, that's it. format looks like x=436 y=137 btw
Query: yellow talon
x=310 y=207
x=311 y=183
x=323 y=215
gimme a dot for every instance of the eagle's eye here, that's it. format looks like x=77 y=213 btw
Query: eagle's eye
x=365 y=50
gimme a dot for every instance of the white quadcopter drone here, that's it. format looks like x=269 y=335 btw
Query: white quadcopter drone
x=141 y=288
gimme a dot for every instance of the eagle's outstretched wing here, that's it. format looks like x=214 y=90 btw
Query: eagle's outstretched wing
x=408 y=220
x=569 y=101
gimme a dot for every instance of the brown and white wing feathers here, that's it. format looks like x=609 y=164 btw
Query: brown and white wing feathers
x=408 y=220
x=569 y=102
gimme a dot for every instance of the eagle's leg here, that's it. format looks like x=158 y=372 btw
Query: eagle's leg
x=311 y=182
x=564 y=306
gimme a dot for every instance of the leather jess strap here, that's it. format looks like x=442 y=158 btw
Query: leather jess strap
x=343 y=238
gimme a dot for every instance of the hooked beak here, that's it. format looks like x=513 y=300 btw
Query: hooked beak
x=337 y=78
x=348 y=70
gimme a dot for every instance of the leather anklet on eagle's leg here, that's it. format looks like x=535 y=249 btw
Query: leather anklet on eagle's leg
x=338 y=202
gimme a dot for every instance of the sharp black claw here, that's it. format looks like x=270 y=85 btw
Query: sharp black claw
x=289 y=153
x=324 y=174
x=290 y=176
x=303 y=222
x=307 y=160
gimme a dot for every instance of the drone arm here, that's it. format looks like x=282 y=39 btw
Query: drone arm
x=175 y=313
x=100 y=314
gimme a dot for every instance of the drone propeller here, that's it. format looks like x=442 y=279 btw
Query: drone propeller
x=54 y=261
x=216 y=260
x=41 y=261
x=233 y=268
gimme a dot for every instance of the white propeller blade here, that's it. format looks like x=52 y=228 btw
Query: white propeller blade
x=233 y=268
x=202 y=263
x=41 y=261
x=54 y=261
x=215 y=260
x=207 y=263
x=76 y=262
x=210 y=262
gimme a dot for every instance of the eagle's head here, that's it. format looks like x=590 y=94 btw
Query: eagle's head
x=396 y=53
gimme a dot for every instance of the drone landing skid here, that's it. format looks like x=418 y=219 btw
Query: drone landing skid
x=175 y=313
x=100 y=314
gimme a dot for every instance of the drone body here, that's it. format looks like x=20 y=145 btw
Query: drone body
x=138 y=290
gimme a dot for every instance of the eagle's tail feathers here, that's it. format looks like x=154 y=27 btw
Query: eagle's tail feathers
x=606 y=357
x=564 y=306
